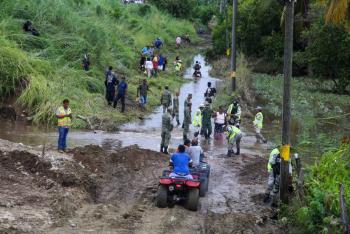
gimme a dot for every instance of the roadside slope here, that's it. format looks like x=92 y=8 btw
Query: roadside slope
x=38 y=72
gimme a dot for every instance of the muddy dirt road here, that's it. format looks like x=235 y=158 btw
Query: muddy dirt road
x=110 y=187
x=93 y=190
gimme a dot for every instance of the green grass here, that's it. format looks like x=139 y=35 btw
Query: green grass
x=42 y=71
x=320 y=114
x=319 y=211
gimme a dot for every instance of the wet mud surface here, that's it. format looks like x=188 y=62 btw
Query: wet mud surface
x=93 y=190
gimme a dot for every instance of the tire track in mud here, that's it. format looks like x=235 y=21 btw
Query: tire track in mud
x=229 y=207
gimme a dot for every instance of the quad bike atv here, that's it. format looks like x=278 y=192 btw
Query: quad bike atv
x=173 y=190
x=203 y=171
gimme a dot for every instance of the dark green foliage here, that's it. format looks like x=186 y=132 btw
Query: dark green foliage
x=320 y=211
x=144 y=10
x=329 y=54
x=177 y=8
x=256 y=20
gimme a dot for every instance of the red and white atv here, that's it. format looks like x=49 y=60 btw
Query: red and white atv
x=177 y=189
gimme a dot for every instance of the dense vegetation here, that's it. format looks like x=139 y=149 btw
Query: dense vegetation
x=260 y=37
x=319 y=211
x=43 y=70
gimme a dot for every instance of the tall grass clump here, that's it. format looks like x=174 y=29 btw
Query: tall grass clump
x=319 y=212
x=41 y=71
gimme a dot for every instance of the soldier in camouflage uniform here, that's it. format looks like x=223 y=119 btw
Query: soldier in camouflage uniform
x=176 y=108
x=167 y=127
x=207 y=114
x=187 y=120
x=165 y=99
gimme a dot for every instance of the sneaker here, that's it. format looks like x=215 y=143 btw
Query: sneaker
x=60 y=151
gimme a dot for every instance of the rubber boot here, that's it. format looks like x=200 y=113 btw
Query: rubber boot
x=165 y=150
x=238 y=151
x=161 y=149
x=178 y=123
x=230 y=153
x=267 y=198
x=274 y=200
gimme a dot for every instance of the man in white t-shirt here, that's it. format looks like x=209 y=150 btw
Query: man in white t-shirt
x=195 y=152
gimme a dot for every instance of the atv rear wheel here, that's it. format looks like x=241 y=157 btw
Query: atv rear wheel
x=203 y=187
x=162 y=196
x=192 y=200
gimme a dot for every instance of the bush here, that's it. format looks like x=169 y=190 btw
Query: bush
x=329 y=54
x=321 y=208
x=177 y=8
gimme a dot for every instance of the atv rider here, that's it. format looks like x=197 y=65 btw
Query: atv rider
x=197 y=70
x=181 y=162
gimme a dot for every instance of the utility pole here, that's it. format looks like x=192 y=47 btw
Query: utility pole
x=233 y=46
x=227 y=43
x=286 y=114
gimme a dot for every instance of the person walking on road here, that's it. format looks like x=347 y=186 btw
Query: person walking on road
x=167 y=127
x=273 y=168
x=188 y=100
x=258 y=125
x=187 y=120
x=207 y=114
x=64 y=117
x=142 y=94
x=122 y=93
x=176 y=108
x=234 y=136
x=165 y=99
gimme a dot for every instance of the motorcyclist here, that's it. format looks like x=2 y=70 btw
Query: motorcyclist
x=181 y=163
x=197 y=70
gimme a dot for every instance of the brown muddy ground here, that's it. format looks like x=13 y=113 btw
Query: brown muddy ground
x=93 y=190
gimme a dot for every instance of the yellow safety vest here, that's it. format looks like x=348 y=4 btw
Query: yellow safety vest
x=258 y=121
x=197 y=119
x=178 y=66
x=273 y=152
x=238 y=114
x=232 y=132
x=66 y=121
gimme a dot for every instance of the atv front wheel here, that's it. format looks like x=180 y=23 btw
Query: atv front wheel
x=162 y=196
x=192 y=200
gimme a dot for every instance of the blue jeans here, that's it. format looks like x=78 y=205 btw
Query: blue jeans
x=62 y=137
x=143 y=100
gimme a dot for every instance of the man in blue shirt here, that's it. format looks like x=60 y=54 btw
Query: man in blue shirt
x=122 y=92
x=181 y=163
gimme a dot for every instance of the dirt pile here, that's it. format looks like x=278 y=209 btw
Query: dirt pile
x=41 y=193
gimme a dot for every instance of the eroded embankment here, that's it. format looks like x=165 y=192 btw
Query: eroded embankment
x=39 y=192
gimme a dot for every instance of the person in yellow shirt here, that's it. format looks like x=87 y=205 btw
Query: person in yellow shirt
x=258 y=125
x=64 y=120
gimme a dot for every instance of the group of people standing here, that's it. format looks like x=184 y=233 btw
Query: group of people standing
x=116 y=90
x=151 y=60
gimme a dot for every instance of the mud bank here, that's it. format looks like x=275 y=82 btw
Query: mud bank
x=95 y=190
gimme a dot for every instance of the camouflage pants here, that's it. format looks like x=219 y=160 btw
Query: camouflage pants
x=165 y=138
